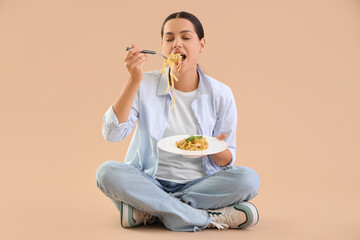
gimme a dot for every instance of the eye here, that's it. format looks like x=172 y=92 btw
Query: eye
x=169 y=40
x=186 y=38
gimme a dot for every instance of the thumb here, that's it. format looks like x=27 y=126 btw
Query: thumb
x=221 y=137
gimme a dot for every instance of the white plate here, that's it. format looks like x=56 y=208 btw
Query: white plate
x=169 y=145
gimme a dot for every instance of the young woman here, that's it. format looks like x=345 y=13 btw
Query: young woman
x=184 y=194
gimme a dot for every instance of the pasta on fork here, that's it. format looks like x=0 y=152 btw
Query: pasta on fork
x=173 y=62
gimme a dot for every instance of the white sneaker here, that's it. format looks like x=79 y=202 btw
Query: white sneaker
x=131 y=217
x=233 y=216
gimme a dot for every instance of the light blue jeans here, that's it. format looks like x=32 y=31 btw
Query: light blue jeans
x=180 y=207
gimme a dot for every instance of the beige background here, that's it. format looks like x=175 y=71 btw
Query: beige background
x=294 y=70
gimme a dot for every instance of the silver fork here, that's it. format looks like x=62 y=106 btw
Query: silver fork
x=148 y=51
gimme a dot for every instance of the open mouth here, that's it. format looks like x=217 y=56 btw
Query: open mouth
x=183 y=56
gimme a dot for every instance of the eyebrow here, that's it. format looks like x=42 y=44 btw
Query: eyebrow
x=180 y=32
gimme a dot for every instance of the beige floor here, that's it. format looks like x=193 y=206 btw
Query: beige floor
x=64 y=204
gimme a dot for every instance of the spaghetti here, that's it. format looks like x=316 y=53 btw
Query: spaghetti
x=173 y=62
x=193 y=143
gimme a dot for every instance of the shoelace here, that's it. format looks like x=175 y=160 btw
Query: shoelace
x=220 y=221
x=148 y=219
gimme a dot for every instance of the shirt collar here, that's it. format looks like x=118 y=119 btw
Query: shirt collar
x=203 y=88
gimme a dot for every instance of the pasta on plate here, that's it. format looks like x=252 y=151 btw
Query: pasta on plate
x=193 y=143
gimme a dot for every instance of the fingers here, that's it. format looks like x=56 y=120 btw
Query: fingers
x=133 y=53
x=221 y=137
x=134 y=62
x=134 y=57
x=140 y=59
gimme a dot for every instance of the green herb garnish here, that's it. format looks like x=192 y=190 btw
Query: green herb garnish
x=192 y=138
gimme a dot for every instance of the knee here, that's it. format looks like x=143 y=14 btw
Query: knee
x=107 y=172
x=248 y=180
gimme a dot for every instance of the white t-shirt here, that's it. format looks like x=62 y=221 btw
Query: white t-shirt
x=177 y=168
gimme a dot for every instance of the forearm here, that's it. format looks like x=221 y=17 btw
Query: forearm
x=123 y=103
x=222 y=158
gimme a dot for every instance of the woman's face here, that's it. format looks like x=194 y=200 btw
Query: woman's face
x=180 y=37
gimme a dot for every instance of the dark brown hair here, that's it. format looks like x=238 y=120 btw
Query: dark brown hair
x=194 y=20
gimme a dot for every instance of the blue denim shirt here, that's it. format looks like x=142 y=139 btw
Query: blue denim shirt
x=213 y=105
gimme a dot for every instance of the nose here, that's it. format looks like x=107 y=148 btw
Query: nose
x=177 y=43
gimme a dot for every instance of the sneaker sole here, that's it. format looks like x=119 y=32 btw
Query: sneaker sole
x=251 y=212
x=127 y=220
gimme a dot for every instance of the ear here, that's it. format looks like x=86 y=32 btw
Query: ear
x=202 y=44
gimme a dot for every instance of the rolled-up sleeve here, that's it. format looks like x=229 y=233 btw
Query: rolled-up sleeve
x=112 y=130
